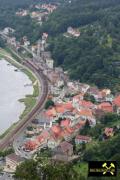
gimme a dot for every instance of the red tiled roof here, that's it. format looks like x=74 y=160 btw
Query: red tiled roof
x=106 y=106
x=79 y=96
x=84 y=138
x=66 y=133
x=65 y=146
x=31 y=145
x=116 y=101
x=82 y=122
x=86 y=112
x=50 y=112
x=65 y=122
x=40 y=139
x=56 y=129
x=108 y=131
x=45 y=134
x=86 y=104
x=78 y=126
x=68 y=106
x=60 y=109
x=69 y=129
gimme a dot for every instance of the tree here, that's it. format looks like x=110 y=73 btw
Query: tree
x=89 y=97
x=2 y=43
x=27 y=170
x=41 y=170
x=59 y=120
x=109 y=118
x=49 y=103
x=86 y=128
x=6 y=152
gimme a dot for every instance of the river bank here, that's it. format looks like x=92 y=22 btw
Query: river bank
x=29 y=100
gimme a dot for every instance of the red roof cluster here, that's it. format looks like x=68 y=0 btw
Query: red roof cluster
x=116 y=101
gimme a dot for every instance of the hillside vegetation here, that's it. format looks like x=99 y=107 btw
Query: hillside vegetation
x=94 y=57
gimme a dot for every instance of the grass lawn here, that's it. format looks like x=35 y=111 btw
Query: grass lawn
x=82 y=169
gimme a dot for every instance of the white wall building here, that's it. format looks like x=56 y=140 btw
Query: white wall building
x=49 y=63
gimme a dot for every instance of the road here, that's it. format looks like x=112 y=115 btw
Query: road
x=8 y=139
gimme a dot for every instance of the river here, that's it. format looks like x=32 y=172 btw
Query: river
x=11 y=90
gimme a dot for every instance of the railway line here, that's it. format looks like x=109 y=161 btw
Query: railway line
x=8 y=140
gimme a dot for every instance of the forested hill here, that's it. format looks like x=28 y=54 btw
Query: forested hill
x=94 y=57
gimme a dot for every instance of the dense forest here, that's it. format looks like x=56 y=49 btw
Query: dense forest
x=23 y=25
x=94 y=56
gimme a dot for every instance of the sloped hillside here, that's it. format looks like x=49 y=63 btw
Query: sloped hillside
x=94 y=57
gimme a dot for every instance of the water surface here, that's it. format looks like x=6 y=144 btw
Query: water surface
x=12 y=88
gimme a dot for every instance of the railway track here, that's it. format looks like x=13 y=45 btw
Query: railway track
x=8 y=140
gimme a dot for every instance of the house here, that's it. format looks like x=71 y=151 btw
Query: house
x=68 y=133
x=106 y=107
x=69 y=115
x=109 y=132
x=116 y=104
x=26 y=43
x=41 y=139
x=64 y=148
x=44 y=36
x=106 y=91
x=50 y=113
x=60 y=158
x=73 y=32
x=22 y=12
x=109 y=98
x=65 y=123
x=81 y=104
x=45 y=123
x=35 y=123
x=46 y=55
x=99 y=113
x=11 y=162
x=56 y=131
x=31 y=145
x=79 y=139
x=60 y=82
x=94 y=91
x=54 y=77
x=52 y=142
x=87 y=114
x=49 y=63
x=29 y=133
x=8 y=30
x=12 y=41
x=83 y=87
x=77 y=98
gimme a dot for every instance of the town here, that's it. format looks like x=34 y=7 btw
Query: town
x=69 y=108
x=69 y=116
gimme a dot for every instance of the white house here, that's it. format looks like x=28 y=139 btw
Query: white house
x=12 y=161
x=82 y=139
x=49 y=63
x=8 y=30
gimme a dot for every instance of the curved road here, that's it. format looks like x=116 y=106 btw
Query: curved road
x=8 y=139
